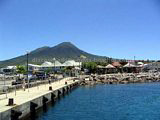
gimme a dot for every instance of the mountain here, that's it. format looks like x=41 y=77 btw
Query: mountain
x=62 y=52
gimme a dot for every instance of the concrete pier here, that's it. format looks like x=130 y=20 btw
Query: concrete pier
x=26 y=103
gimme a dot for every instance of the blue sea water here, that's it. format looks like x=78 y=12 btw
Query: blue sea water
x=108 y=102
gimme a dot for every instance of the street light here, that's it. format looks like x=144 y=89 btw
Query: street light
x=27 y=70
x=54 y=60
x=5 y=88
x=80 y=67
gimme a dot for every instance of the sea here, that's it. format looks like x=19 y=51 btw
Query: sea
x=107 y=102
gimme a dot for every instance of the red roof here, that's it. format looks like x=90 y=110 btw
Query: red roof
x=116 y=64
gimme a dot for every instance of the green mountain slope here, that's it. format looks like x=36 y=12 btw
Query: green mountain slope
x=62 y=52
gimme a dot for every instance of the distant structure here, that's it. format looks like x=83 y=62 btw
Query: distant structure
x=8 y=69
x=56 y=65
x=155 y=66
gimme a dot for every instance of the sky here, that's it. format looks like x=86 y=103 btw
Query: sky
x=113 y=28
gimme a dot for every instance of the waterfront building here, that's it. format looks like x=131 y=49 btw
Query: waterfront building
x=118 y=66
x=32 y=67
x=101 y=69
x=106 y=69
x=55 y=66
x=129 y=68
x=110 y=68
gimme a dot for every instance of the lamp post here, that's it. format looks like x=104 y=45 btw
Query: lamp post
x=45 y=77
x=80 y=68
x=27 y=70
x=4 y=88
x=15 y=88
x=54 y=60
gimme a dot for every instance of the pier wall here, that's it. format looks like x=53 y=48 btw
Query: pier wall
x=22 y=111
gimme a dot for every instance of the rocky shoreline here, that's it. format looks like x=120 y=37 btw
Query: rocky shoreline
x=120 y=78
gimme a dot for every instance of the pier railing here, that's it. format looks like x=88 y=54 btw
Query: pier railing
x=6 y=88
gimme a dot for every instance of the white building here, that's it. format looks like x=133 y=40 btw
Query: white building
x=71 y=63
x=8 y=69
x=56 y=65
x=33 y=67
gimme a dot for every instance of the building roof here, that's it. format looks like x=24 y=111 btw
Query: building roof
x=140 y=63
x=143 y=65
x=116 y=64
x=71 y=63
x=33 y=65
x=11 y=67
x=49 y=64
x=128 y=65
x=46 y=64
x=99 y=66
x=57 y=63
x=110 y=66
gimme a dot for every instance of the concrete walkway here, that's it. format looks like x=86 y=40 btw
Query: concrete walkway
x=22 y=97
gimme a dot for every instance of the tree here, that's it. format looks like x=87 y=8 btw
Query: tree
x=101 y=63
x=91 y=66
x=21 y=69
x=67 y=70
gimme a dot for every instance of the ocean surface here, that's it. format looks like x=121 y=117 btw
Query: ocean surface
x=108 y=102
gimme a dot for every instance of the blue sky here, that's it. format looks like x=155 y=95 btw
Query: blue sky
x=114 y=28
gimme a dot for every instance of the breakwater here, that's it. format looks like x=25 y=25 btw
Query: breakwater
x=26 y=103
x=121 y=78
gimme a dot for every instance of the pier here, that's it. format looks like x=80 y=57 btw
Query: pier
x=22 y=103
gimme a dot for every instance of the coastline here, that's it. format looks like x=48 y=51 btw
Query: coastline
x=121 y=78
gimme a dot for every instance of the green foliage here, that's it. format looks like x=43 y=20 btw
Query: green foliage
x=91 y=66
x=102 y=63
x=63 y=70
x=21 y=69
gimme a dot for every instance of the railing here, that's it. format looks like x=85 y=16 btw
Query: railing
x=14 y=88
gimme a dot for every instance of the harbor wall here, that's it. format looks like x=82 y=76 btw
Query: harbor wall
x=20 y=112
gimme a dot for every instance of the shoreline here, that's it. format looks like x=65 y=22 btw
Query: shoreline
x=121 y=79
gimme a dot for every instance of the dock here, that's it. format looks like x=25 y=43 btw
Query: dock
x=22 y=103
